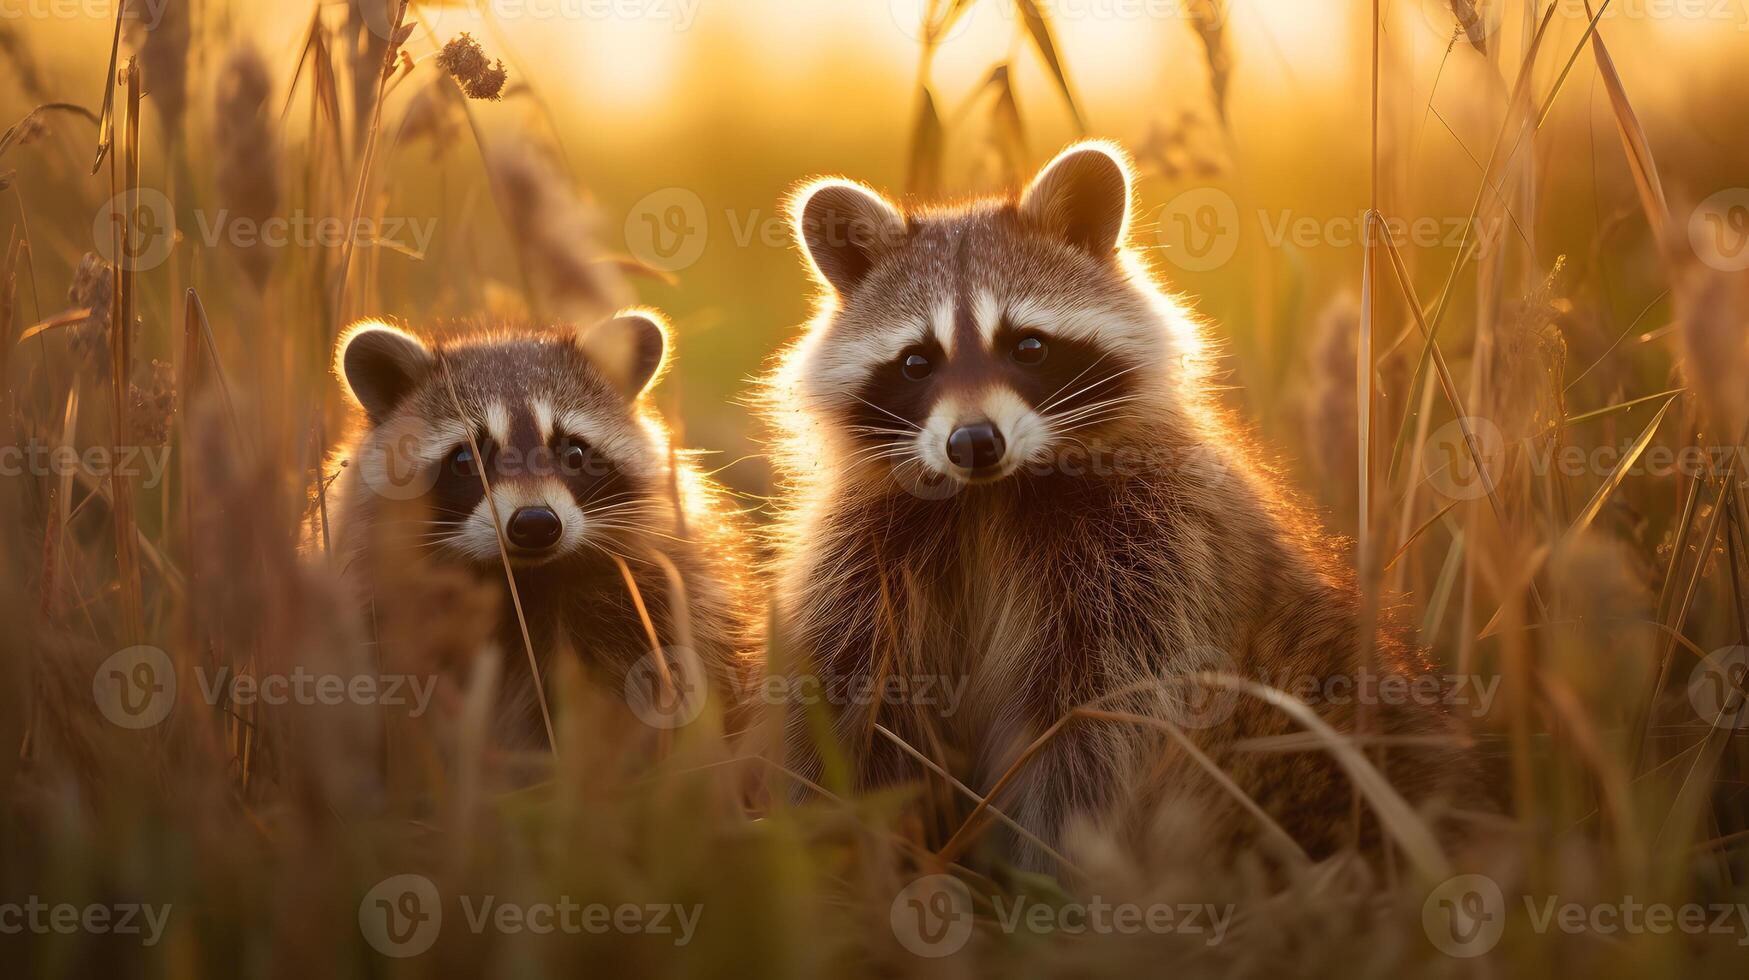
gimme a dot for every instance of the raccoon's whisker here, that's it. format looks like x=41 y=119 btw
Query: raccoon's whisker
x=877 y=431
x=1082 y=418
x=1060 y=398
x=1086 y=410
x=591 y=499
x=615 y=502
x=627 y=531
x=616 y=510
x=1052 y=400
x=639 y=529
x=914 y=426
x=1085 y=389
x=1098 y=421
x=882 y=452
x=900 y=467
x=627 y=527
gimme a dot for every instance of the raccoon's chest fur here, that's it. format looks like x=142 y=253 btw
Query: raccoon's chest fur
x=1030 y=599
x=1037 y=604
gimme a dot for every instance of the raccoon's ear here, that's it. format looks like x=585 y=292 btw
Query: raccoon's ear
x=845 y=228
x=627 y=349
x=1082 y=197
x=381 y=365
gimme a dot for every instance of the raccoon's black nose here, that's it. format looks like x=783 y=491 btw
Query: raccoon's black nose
x=976 y=447
x=534 y=528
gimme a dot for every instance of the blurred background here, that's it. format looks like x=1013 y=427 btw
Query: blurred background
x=685 y=122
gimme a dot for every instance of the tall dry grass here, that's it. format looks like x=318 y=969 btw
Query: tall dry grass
x=1429 y=389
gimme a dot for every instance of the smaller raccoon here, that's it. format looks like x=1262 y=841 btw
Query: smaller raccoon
x=581 y=473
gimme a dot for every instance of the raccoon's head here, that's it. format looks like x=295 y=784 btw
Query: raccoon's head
x=977 y=342
x=549 y=420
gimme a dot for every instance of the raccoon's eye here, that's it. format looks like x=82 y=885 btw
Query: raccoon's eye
x=1031 y=351
x=461 y=461
x=915 y=366
x=572 y=457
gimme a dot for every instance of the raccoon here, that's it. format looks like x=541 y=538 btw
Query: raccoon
x=581 y=474
x=1006 y=469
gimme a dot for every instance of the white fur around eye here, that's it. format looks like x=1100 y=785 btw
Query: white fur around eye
x=1138 y=339
x=498 y=422
x=630 y=446
x=542 y=410
x=848 y=359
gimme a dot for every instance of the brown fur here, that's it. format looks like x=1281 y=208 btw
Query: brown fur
x=577 y=604
x=1050 y=590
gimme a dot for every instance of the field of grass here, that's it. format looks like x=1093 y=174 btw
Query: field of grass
x=1478 y=272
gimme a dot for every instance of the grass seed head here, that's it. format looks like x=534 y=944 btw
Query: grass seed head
x=247 y=157
x=556 y=230
x=160 y=32
x=93 y=289
x=466 y=62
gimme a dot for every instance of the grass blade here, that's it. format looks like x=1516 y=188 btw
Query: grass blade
x=1039 y=29
x=926 y=142
x=1633 y=139
x=1619 y=474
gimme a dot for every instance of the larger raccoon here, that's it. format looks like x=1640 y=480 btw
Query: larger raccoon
x=1005 y=467
x=581 y=474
